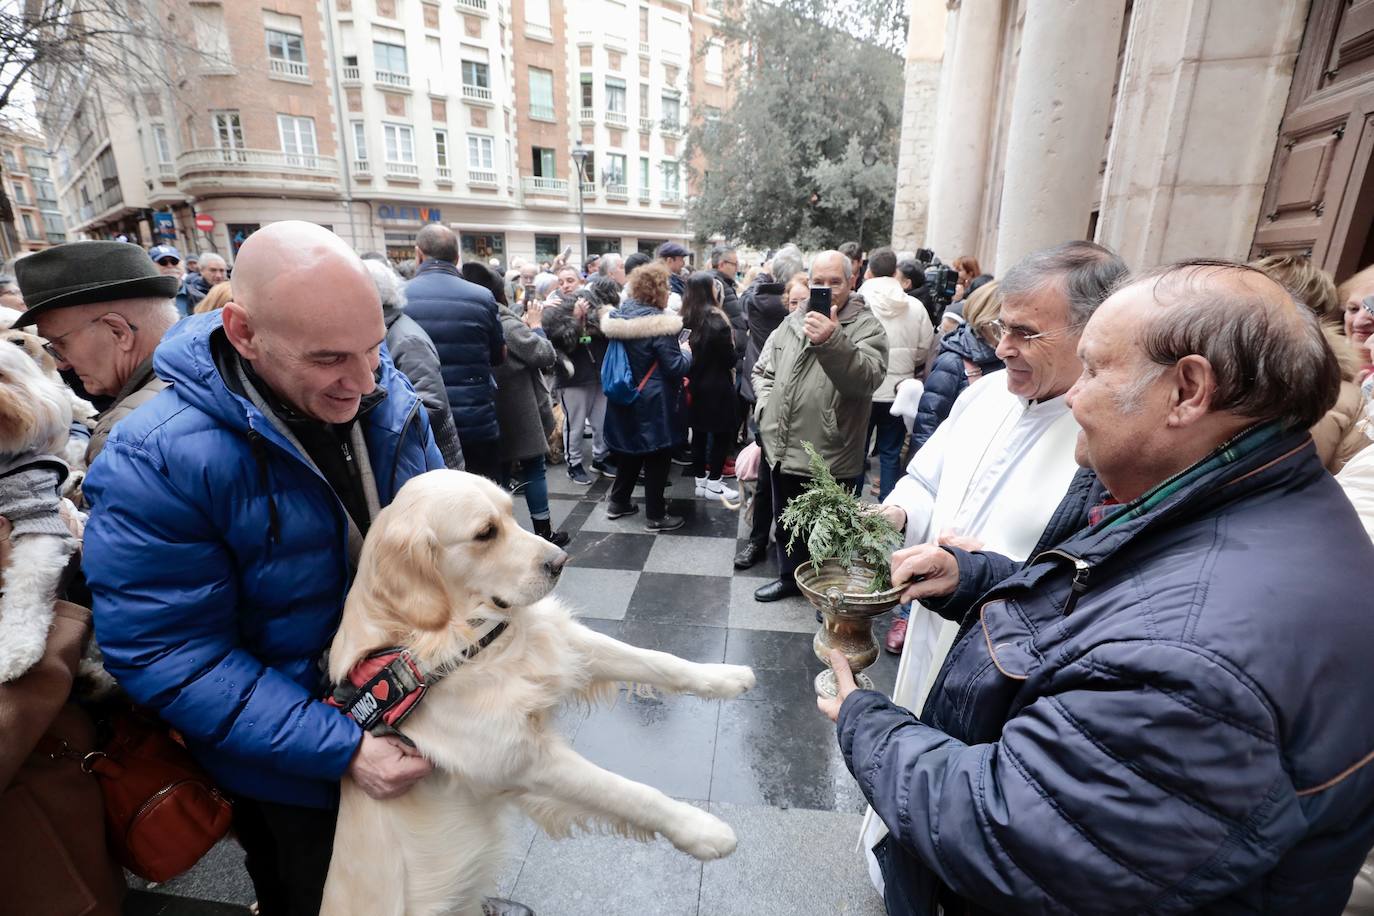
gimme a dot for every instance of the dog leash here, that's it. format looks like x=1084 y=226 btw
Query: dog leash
x=385 y=686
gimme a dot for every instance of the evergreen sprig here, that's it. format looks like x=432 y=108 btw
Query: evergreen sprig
x=837 y=525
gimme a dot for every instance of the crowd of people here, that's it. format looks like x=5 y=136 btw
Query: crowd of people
x=1137 y=511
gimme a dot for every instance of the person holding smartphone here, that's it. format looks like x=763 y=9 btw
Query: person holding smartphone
x=814 y=382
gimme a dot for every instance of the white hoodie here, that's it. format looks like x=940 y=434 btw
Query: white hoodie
x=909 y=333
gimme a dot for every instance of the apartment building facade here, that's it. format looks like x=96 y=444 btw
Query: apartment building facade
x=35 y=219
x=374 y=117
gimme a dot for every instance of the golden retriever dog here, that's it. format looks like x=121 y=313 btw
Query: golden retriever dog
x=446 y=555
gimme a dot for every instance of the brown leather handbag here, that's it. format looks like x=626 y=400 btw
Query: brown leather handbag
x=162 y=812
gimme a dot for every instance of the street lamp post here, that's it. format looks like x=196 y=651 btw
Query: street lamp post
x=579 y=155
x=870 y=159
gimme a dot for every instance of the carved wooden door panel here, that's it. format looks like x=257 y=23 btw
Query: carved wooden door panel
x=1320 y=196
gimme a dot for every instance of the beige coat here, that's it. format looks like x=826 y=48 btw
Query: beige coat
x=910 y=337
x=820 y=394
x=1337 y=435
x=141 y=388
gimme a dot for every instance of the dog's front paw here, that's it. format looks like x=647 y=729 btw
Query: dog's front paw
x=702 y=836
x=722 y=682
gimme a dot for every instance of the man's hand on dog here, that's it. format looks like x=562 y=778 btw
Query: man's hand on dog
x=844 y=678
x=387 y=767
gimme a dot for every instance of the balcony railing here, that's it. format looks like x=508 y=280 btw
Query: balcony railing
x=293 y=68
x=535 y=30
x=543 y=113
x=481 y=176
x=252 y=160
x=443 y=173
x=618 y=191
x=352 y=75
x=109 y=198
x=393 y=79
x=644 y=196
x=672 y=197
x=166 y=171
x=477 y=7
x=616 y=119
x=476 y=93
x=535 y=184
x=646 y=125
x=644 y=49
x=588 y=189
x=588 y=116
x=362 y=167
x=402 y=170
x=671 y=127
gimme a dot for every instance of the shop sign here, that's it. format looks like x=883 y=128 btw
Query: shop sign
x=398 y=214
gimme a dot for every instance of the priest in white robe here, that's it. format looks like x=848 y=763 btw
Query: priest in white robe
x=997 y=468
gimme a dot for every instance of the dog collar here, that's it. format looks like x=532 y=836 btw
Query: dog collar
x=385 y=686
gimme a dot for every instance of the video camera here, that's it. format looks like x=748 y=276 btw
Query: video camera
x=941 y=280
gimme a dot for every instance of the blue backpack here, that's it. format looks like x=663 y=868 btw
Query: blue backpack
x=618 y=379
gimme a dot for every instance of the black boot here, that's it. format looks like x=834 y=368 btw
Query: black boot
x=544 y=528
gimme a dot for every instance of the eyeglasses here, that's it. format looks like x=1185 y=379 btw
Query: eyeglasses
x=51 y=346
x=169 y=262
x=1368 y=304
x=1013 y=332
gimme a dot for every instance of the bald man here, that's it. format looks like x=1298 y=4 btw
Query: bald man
x=227 y=519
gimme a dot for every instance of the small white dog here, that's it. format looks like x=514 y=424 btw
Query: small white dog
x=442 y=562
x=35 y=414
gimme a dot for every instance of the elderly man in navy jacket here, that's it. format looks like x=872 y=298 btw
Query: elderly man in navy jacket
x=1168 y=711
x=461 y=318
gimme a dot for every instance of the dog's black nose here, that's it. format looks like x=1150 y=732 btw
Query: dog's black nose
x=555 y=566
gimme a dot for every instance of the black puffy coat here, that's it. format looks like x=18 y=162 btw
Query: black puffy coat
x=460 y=317
x=947 y=380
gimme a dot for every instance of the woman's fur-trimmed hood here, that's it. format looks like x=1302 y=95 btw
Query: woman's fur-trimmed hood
x=638 y=326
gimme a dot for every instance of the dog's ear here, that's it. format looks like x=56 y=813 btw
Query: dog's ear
x=401 y=566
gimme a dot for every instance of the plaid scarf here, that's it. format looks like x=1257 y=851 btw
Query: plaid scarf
x=1244 y=444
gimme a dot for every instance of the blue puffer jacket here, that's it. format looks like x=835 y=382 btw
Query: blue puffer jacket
x=946 y=380
x=1165 y=714
x=218 y=560
x=460 y=317
x=656 y=420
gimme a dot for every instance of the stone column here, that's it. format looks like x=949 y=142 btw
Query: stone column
x=1203 y=91
x=1059 y=122
x=924 y=50
x=963 y=135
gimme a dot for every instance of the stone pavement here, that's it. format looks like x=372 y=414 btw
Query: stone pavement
x=766 y=762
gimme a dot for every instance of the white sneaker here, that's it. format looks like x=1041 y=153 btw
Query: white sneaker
x=701 y=487
x=716 y=489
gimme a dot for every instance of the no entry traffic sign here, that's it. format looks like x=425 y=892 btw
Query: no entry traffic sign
x=205 y=222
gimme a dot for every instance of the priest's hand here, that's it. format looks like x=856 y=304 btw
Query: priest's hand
x=927 y=571
x=844 y=678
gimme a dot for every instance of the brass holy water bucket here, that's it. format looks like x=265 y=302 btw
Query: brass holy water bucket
x=848 y=605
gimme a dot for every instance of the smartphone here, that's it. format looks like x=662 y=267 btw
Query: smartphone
x=529 y=292
x=566 y=252
x=820 y=300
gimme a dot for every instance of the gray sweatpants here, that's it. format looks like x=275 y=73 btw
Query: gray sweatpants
x=582 y=403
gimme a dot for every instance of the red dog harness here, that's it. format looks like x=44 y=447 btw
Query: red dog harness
x=385 y=686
